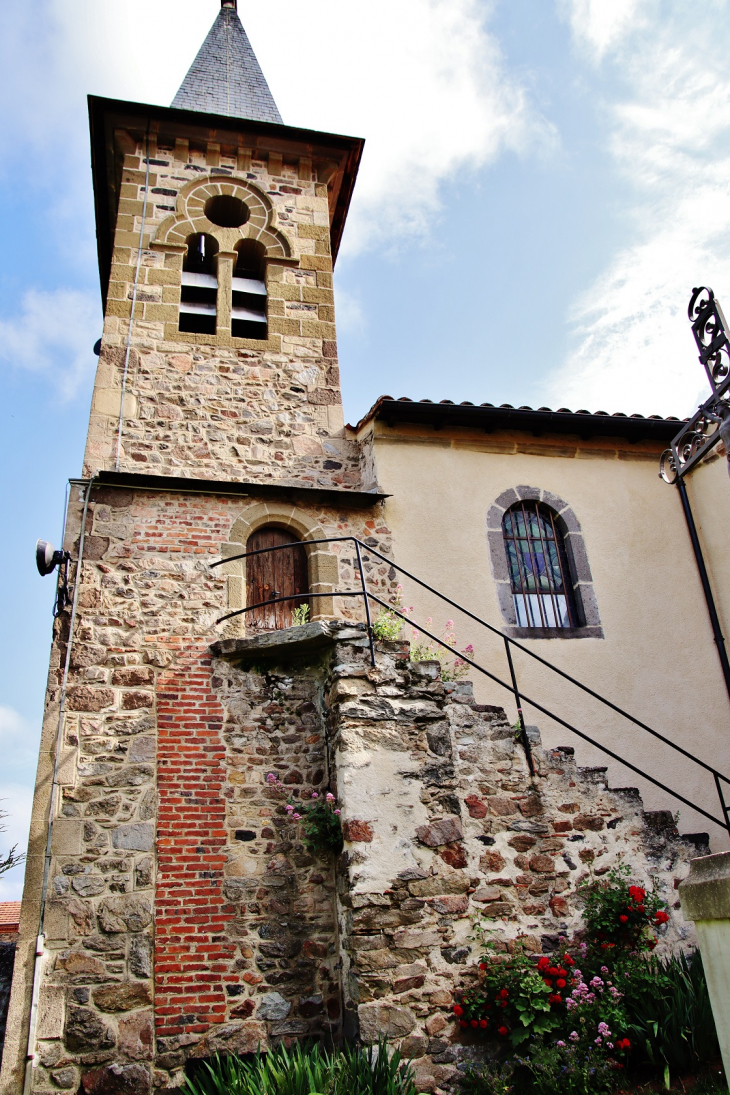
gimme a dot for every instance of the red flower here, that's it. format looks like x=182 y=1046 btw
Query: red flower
x=483 y=1024
x=562 y=973
x=554 y=998
x=504 y=994
x=463 y=1023
x=637 y=894
x=458 y=1009
x=475 y=1022
x=661 y=917
x=640 y=908
x=623 y=1043
x=503 y=1032
x=548 y=982
x=568 y=960
x=543 y=963
x=553 y=971
x=623 y=918
x=651 y=944
x=482 y=965
x=560 y=983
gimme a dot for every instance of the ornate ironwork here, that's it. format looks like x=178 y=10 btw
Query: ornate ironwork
x=711 y=422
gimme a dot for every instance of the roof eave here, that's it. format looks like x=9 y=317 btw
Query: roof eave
x=107 y=114
x=583 y=424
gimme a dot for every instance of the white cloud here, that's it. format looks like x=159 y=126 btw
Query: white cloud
x=599 y=25
x=670 y=139
x=422 y=80
x=348 y=309
x=53 y=334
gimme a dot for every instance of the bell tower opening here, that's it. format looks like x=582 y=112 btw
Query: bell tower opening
x=248 y=310
x=199 y=288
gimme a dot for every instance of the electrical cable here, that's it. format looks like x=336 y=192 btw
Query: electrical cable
x=40 y=938
x=128 y=345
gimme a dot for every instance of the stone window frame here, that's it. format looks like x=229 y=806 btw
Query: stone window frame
x=580 y=571
x=189 y=219
x=322 y=565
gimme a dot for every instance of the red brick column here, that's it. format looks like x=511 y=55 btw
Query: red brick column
x=192 y=956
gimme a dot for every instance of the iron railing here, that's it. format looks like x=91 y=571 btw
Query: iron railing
x=364 y=550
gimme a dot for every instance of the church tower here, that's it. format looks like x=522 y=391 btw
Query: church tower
x=216 y=426
x=217 y=231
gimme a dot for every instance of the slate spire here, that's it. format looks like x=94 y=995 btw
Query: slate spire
x=225 y=77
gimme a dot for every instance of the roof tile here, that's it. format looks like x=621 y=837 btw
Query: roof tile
x=225 y=77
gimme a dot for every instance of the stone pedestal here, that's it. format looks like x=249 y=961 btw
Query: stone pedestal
x=705 y=897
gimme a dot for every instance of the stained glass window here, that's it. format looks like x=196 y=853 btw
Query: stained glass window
x=542 y=590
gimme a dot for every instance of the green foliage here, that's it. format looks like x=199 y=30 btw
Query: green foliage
x=588 y=1021
x=619 y=915
x=452 y=669
x=322 y=827
x=387 y=626
x=668 y=1013
x=300 y=616
x=571 y=1070
x=512 y=1001
x=306 y=1070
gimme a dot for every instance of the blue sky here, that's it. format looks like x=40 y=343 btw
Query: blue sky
x=544 y=182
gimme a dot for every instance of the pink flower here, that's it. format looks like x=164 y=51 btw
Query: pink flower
x=449 y=624
x=271 y=778
x=297 y=817
x=468 y=649
x=329 y=797
x=288 y=808
x=314 y=794
x=338 y=812
x=429 y=619
x=561 y=1044
x=573 y=1036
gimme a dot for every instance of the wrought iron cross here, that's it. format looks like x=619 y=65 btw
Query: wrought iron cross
x=711 y=423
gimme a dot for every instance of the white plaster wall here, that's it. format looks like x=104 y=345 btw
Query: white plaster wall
x=657 y=659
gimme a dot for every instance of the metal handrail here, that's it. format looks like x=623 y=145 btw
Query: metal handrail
x=512 y=687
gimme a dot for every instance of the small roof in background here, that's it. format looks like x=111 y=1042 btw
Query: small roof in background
x=225 y=78
x=9 y=915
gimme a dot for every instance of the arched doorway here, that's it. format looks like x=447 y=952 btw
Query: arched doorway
x=275 y=574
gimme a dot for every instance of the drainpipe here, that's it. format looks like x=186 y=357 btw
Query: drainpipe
x=30 y=1062
x=706 y=587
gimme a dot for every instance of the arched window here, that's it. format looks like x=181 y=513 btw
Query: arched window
x=248 y=311
x=542 y=588
x=275 y=574
x=199 y=285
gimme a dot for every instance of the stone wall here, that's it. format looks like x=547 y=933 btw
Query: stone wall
x=214 y=406
x=445 y=827
x=152 y=766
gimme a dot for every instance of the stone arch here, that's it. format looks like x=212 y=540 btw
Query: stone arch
x=190 y=217
x=577 y=558
x=322 y=564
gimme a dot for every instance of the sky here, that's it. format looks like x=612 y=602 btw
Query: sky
x=544 y=182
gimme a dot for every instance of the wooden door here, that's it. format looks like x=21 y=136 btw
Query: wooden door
x=275 y=574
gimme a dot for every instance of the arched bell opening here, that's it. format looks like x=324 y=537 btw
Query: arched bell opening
x=199 y=287
x=248 y=306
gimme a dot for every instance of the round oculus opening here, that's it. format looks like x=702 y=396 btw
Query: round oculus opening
x=226 y=211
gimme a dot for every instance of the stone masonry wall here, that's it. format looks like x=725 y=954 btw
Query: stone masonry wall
x=217 y=407
x=245 y=919
x=444 y=827
x=141 y=699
